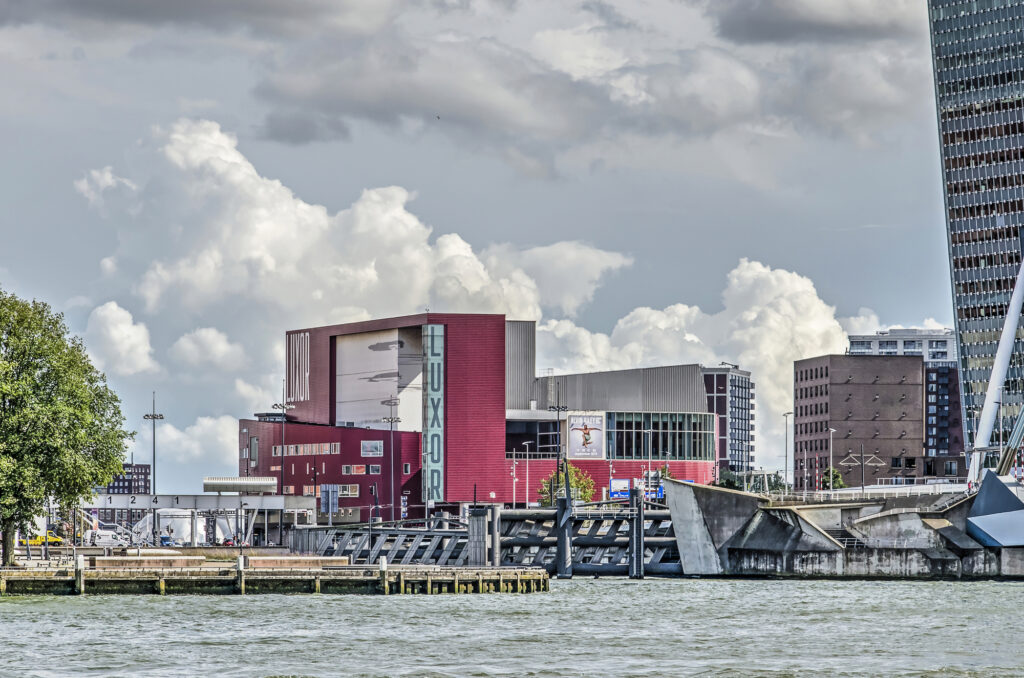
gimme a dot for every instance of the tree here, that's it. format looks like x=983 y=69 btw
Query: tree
x=837 y=480
x=665 y=471
x=61 y=429
x=728 y=480
x=582 y=486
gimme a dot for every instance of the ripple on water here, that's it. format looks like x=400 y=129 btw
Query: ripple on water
x=583 y=627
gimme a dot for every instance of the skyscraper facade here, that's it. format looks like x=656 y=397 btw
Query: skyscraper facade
x=978 y=59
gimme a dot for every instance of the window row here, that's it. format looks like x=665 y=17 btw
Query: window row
x=812 y=373
x=987 y=184
x=983 y=133
x=998 y=106
x=977 y=32
x=361 y=470
x=812 y=409
x=976 y=58
x=988 y=209
x=986 y=311
x=307 y=449
x=985 y=234
x=812 y=391
x=982 y=81
x=983 y=159
x=982 y=260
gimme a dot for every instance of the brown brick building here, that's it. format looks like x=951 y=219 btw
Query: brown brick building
x=908 y=423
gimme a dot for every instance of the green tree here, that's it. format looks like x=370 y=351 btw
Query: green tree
x=582 y=486
x=61 y=427
x=728 y=480
x=837 y=480
x=665 y=471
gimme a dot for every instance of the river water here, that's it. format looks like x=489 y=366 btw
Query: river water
x=583 y=627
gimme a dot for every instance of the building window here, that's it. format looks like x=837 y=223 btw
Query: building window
x=950 y=468
x=374 y=469
x=406 y=469
x=289 y=489
x=346 y=470
x=308 y=490
x=897 y=462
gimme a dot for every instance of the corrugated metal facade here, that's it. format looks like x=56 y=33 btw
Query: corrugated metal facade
x=676 y=388
x=520 y=363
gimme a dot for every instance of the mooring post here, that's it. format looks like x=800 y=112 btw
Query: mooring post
x=496 y=536
x=563 y=528
x=3 y=586
x=636 y=534
x=384 y=575
x=80 y=575
x=241 y=575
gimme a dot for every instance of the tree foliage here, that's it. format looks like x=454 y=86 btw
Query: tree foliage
x=582 y=486
x=61 y=427
x=837 y=480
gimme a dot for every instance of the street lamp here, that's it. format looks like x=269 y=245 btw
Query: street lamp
x=391 y=420
x=526 y=503
x=558 y=408
x=153 y=417
x=284 y=407
x=785 y=439
x=515 y=478
x=830 y=481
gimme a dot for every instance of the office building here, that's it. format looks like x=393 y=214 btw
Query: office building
x=731 y=397
x=934 y=346
x=978 y=51
x=134 y=479
x=886 y=419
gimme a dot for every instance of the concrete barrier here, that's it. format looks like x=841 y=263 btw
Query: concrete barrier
x=145 y=561
x=296 y=562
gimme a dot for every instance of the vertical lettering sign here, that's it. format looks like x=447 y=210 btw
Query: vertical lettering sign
x=433 y=413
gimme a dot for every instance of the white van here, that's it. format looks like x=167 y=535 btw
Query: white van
x=104 y=538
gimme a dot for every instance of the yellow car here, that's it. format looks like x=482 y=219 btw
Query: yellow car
x=38 y=539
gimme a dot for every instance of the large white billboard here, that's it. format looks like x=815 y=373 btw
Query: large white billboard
x=586 y=436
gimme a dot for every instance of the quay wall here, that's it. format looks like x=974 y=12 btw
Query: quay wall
x=879 y=562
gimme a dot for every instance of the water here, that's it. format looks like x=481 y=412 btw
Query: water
x=581 y=628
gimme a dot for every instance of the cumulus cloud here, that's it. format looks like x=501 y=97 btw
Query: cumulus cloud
x=770 y=317
x=374 y=258
x=96 y=182
x=210 y=347
x=118 y=344
x=207 y=442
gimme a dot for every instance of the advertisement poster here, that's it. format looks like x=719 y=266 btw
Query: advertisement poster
x=371 y=448
x=586 y=436
x=618 y=488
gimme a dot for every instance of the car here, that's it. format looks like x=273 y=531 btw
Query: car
x=37 y=540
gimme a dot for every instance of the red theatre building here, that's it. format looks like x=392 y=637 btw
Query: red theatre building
x=436 y=411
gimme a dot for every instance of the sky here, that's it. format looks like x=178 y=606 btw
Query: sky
x=652 y=181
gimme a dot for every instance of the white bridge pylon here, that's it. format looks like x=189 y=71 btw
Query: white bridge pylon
x=989 y=411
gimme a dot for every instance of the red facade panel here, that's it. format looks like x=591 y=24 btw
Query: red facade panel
x=298 y=469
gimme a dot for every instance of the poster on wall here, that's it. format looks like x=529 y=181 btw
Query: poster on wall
x=586 y=436
x=371 y=448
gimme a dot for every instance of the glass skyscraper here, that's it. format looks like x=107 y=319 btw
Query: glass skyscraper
x=978 y=59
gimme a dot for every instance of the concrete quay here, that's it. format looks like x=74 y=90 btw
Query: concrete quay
x=144 y=578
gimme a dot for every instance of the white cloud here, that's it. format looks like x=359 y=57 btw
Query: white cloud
x=116 y=343
x=376 y=256
x=108 y=265
x=96 y=182
x=208 y=346
x=770 y=317
x=208 y=441
x=255 y=399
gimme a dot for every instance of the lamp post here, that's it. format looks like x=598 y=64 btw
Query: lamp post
x=830 y=481
x=391 y=420
x=785 y=443
x=284 y=407
x=153 y=416
x=526 y=503
x=558 y=408
x=515 y=479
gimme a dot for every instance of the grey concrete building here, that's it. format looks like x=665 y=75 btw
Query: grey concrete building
x=879 y=402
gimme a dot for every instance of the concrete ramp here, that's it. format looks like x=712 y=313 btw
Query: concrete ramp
x=704 y=519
